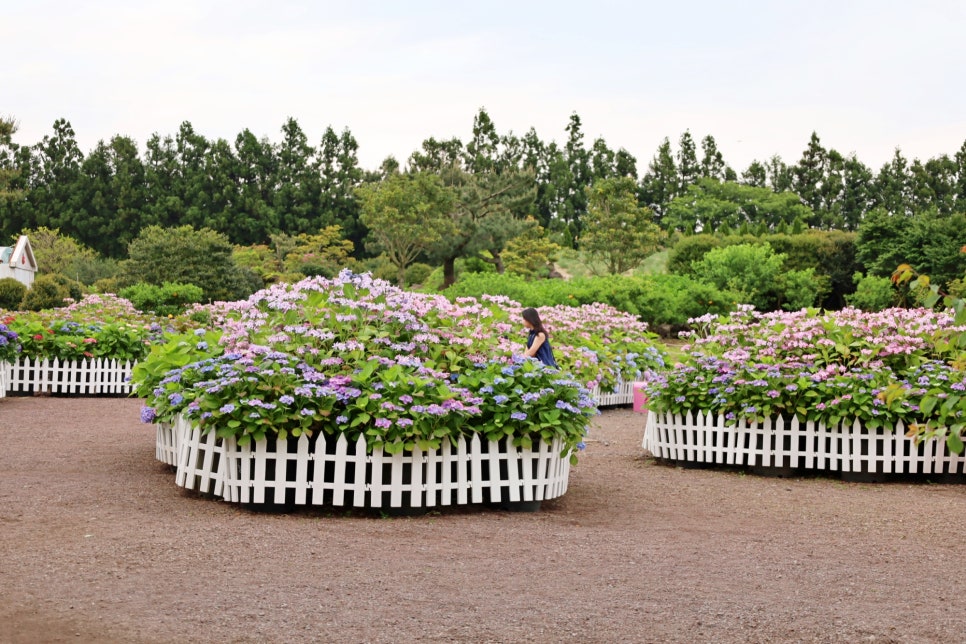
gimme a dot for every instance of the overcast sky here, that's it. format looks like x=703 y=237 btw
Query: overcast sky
x=867 y=75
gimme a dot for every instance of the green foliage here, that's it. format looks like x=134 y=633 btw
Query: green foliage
x=758 y=275
x=75 y=289
x=658 y=299
x=931 y=295
x=98 y=326
x=343 y=365
x=69 y=340
x=406 y=215
x=926 y=240
x=690 y=249
x=530 y=254
x=46 y=292
x=618 y=233
x=511 y=408
x=57 y=253
x=12 y=292
x=176 y=352
x=829 y=254
x=164 y=300
x=872 y=293
x=184 y=255
x=945 y=407
x=324 y=253
x=709 y=205
x=417 y=273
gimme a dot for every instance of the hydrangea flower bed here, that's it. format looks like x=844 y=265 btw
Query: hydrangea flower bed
x=880 y=368
x=99 y=326
x=405 y=370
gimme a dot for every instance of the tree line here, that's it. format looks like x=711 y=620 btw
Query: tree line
x=472 y=198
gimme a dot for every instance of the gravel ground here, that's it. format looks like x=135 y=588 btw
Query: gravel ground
x=97 y=544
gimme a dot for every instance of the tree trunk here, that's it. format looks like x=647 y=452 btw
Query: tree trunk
x=449 y=272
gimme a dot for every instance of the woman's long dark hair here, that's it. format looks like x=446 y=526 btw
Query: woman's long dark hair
x=531 y=316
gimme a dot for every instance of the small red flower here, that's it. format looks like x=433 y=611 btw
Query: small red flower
x=90 y=340
x=38 y=337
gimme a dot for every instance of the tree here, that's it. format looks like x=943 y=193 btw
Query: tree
x=8 y=172
x=324 y=253
x=56 y=253
x=114 y=199
x=779 y=174
x=758 y=274
x=893 y=187
x=660 y=184
x=756 y=175
x=487 y=212
x=255 y=219
x=880 y=245
x=340 y=175
x=856 y=192
x=187 y=256
x=710 y=205
x=56 y=197
x=809 y=173
x=578 y=161
x=712 y=163
x=296 y=196
x=493 y=184
x=531 y=252
x=619 y=233
x=406 y=215
x=688 y=168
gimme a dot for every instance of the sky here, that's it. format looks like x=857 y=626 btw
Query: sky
x=759 y=76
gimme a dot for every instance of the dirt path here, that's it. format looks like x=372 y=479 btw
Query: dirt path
x=97 y=544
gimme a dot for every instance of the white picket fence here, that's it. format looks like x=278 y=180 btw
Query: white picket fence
x=622 y=394
x=3 y=378
x=88 y=376
x=334 y=471
x=795 y=444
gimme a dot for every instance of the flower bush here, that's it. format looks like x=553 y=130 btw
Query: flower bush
x=99 y=326
x=356 y=355
x=9 y=342
x=880 y=368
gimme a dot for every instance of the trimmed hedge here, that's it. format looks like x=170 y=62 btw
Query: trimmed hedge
x=658 y=299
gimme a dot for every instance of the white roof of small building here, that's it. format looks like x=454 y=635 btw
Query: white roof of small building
x=20 y=256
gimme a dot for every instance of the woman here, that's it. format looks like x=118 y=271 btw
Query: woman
x=538 y=340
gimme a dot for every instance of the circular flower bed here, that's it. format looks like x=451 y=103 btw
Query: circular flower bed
x=879 y=369
x=405 y=371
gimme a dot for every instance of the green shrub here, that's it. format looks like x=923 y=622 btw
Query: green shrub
x=417 y=273
x=74 y=288
x=660 y=299
x=688 y=250
x=167 y=299
x=11 y=293
x=760 y=277
x=872 y=293
x=45 y=293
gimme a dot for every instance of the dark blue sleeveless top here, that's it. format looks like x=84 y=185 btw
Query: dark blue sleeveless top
x=544 y=353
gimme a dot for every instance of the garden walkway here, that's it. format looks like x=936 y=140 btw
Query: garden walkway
x=97 y=544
